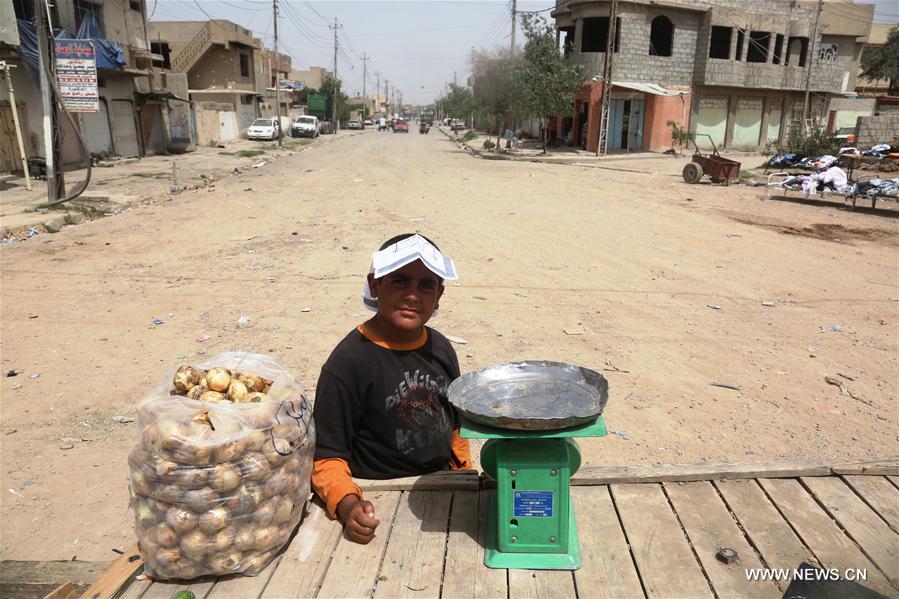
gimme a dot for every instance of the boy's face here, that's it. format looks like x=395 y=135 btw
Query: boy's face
x=407 y=297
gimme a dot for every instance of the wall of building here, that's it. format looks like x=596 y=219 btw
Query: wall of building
x=119 y=21
x=220 y=68
x=312 y=78
x=660 y=110
x=878 y=129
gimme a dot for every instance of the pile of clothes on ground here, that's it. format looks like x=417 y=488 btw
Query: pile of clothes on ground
x=882 y=157
x=881 y=188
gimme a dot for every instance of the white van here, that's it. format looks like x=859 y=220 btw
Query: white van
x=306 y=126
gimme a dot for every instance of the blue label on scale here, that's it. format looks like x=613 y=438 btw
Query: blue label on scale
x=533 y=504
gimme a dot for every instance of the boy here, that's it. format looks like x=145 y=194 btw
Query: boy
x=381 y=409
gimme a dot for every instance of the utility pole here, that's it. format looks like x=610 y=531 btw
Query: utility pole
x=602 y=145
x=335 y=27
x=514 y=12
x=364 y=99
x=277 y=71
x=808 y=74
x=46 y=60
x=378 y=91
x=6 y=68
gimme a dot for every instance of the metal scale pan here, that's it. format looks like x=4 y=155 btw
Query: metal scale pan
x=530 y=396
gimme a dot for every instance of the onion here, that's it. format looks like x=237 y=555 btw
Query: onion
x=245 y=499
x=255 y=439
x=264 y=514
x=287 y=430
x=181 y=520
x=140 y=483
x=214 y=520
x=222 y=541
x=200 y=500
x=165 y=468
x=168 y=558
x=195 y=392
x=192 y=477
x=162 y=534
x=195 y=546
x=255 y=397
x=265 y=538
x=158 y=506
x=225 y=478
x=212 y=397
x=185 y=378
x=144 y=514
x=147 y=548
x=283 y=510
x=245 y=538
x=229 y=451
x=254 y=466
x=196 y=455
x=275 y=484
x=275 y=450
x=218 y=379
x=237 y=390
x=225 y=563
x=253 y=564
x=251 y=381
x=170 y=493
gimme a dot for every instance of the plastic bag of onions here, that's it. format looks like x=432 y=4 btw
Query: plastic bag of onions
x=218 y=486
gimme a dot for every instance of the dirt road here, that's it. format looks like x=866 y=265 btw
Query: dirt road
x=603 y=267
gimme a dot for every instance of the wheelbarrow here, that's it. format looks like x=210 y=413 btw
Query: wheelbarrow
x=719 y=169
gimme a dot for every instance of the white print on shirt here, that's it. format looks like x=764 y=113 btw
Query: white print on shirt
x=425 y=420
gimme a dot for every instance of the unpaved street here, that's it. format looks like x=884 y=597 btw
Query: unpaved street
x=603 y=267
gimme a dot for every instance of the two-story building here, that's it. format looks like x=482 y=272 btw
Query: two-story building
x=735 y=71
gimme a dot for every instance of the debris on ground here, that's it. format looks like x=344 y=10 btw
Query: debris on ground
x=725 y=386
x=455 y=339
x=122 y=419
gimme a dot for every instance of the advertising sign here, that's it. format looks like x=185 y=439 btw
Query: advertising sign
x=76 y=75
x=317 y=102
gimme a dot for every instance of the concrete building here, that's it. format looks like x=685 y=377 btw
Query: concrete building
x=227 y=72
x=129 y=122
x=877 y=38
x=733 y=70
x=312 y=78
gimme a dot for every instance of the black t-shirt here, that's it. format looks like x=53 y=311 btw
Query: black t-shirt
x=385 y=411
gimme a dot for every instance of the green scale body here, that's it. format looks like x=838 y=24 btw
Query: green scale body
x=531 y=523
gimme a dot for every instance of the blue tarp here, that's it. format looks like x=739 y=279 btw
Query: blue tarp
x=109 y=55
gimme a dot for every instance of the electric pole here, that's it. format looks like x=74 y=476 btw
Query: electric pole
x=808 y=74
x=387 y=96
x=364 y=99
x=335 y=27
x=602 y=144
x=514 y=11
x=55 y=183
x=378 y=91
x=277 y=71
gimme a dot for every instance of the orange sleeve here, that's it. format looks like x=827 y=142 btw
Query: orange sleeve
x=332 y=481
x=461 y=458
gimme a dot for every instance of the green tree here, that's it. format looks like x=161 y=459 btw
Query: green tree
x=545 y=84
x=459 y=103
x=493 y=86
x=330 y=87
x=883 y=62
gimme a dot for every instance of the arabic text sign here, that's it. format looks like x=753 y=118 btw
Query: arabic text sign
x=76 y=75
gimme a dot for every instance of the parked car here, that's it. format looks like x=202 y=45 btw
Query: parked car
x=264 y=129
x=327 y=127
x=845 y=135
x=457 y=125
x=401 y=126
x=306 y=126
x=354 y=125
x=367 y=122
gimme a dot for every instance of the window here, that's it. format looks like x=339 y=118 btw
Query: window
x=84 y=9
x=661 y=37
x=829 y=51
x=719 y=46
x=244 y=65
x=740 y=36
x=246 y=100
x=163 y=49
x=797 y=48
x=135 y=5
x=596 y=34
x=568 y=41
x=759 y=42
x=778 y=48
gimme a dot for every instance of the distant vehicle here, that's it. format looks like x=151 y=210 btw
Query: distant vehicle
x=401 y=126
x=354 y=125
x=367 y=122
x=306 y=126
x=327 y=128
x=427 y=116
x=457 y=125
x=264 y=129
x=845 y=135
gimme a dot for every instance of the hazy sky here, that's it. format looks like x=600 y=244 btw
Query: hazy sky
x=417 y=45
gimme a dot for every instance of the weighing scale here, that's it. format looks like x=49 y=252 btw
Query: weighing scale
x=530 y=413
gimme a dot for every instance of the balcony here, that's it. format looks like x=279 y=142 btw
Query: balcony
x=828 y=77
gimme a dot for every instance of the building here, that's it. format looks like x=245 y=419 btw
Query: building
x=227 y=71
x=130 y=122
x=731 y=70
x=312 y=78
x=878 y=37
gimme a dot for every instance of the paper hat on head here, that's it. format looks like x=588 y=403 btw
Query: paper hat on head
x=401 y=253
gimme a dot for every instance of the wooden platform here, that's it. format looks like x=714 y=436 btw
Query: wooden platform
x=650 y=532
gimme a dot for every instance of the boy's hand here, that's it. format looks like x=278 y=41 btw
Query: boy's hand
x=358 y=518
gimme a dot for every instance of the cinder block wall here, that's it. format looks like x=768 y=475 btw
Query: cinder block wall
x=881 y=129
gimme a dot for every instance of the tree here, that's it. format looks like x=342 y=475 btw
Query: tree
x=883 y=62
x=546 y=83
x=459 y=103
x=493 y=86
x=330 y=86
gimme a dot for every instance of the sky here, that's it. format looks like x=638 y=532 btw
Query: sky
x=419 y=46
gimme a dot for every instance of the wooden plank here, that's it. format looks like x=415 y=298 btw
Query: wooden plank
x=894 y=480
x=243 y=587
x=779 y=546
x=136 y=589
x=862 y=523
x=438 y=481
x=123 y=569
x=820 y=533
x=710 y=527
x=880 y=494
x=413 y=563
x=66 y=591
x=883 y=466
x=354 y=568
x=540 y=584
x=29 y=579
x=658 y=543
x=306 y=559
x=465 y=574
x=608 y=568
x=697 y=472
x=165 y=590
